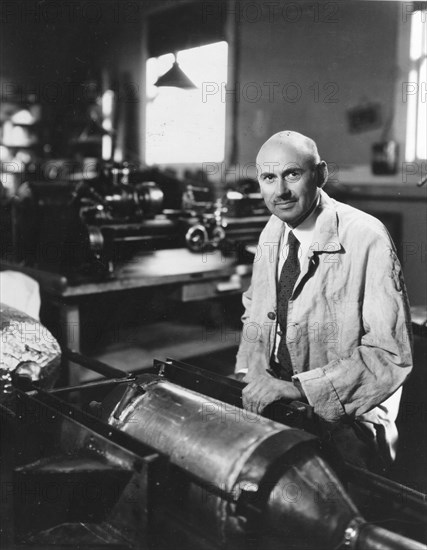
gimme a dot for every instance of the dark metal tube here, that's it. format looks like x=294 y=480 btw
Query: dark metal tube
x=93 y=364
x=372 y=537
x=91 y=385
x=389 y=489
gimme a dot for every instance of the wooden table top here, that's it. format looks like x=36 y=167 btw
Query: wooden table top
x=154 y=268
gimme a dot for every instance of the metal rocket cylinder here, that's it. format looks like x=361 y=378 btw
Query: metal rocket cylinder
x=249 y=478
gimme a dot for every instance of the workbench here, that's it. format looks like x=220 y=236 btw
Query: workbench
x=192 y=276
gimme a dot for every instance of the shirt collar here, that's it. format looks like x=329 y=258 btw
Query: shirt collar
x=305 y=230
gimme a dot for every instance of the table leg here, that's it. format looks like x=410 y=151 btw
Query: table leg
x=70 y=337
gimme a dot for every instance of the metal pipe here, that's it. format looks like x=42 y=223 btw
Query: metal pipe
x=91 y=385
x=389 y=489
x=93 y=364
x=372 y=537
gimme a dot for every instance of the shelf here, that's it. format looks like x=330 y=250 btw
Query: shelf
x=20 y=146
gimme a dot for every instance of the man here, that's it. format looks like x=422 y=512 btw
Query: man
x=326 y=316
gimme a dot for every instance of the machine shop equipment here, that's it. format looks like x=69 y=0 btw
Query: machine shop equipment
x=229 y=223
x=90 y=225
x=177 y=468
x=87 y=226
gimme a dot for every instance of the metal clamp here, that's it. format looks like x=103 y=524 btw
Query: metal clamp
x=351 y=533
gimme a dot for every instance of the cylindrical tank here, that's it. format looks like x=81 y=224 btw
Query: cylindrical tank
x=252 y=481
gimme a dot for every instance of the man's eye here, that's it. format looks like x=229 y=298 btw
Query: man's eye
x=269 y=178
x=293 y=176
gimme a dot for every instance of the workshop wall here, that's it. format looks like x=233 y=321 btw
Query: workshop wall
x=339 y=56
x=332 y=58
x=54 y=50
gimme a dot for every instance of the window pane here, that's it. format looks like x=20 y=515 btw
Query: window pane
x=416 y=34
x=411 y=124
x=423 y=16
x=422 y=113
x=182 y=125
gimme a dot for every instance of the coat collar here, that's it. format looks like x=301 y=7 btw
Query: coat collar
x=326 y=238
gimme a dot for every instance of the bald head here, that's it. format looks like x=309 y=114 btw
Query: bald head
x=305 y=147
x=289 y=173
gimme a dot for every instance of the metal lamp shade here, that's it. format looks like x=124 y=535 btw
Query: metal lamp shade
x=175 y=76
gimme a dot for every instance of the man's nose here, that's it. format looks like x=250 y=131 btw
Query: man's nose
x=282 y=187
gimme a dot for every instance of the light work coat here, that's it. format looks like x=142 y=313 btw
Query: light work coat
x=348 y=331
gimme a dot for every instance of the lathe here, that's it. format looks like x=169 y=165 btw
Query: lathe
x=89 y=226
x=169 y=459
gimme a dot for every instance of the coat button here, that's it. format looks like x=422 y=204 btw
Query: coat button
x=271 y=315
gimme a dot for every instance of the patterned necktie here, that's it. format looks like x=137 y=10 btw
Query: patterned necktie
x=288 y=277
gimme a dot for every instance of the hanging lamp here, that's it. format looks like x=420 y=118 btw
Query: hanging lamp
x=176 y=77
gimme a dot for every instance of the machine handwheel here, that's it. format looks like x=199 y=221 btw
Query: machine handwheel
x=196 y=238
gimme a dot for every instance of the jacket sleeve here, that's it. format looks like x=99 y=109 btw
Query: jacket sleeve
x=244 y=347
x=252 y=353
x=376 y=368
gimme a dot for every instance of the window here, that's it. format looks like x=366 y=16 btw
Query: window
x=416 y=122
x=187 y=126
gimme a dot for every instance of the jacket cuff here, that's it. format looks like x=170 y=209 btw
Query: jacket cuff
x=239 y=370
x=241 y=364
x=321 y=394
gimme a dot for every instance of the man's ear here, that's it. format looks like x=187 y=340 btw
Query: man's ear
x=322 y=173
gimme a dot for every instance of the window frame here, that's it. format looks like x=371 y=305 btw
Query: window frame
x=405 y=65
x=230 y=36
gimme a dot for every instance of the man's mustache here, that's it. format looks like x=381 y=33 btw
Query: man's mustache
x=284 y=198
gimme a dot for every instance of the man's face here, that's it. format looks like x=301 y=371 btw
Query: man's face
x=287 y=177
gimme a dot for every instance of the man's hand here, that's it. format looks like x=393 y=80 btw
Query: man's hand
x=264 y=389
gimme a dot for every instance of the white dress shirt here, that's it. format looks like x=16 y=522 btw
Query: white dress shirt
x=304 y=232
